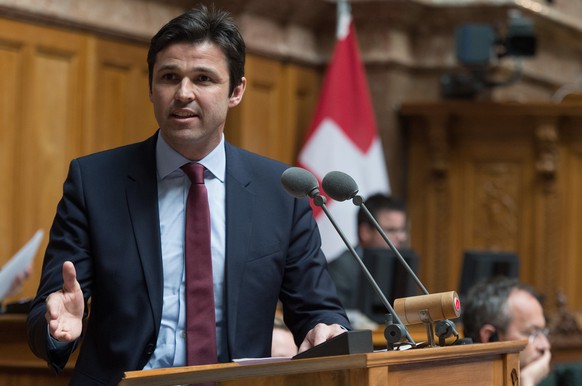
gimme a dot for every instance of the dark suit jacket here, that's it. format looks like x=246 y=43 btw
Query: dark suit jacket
x=107 y=224
x=346 y=274
x=355 y=291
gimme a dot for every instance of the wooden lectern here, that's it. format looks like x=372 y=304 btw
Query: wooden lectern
x=484 y=364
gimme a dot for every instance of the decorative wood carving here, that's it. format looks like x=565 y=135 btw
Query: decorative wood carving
x=496 y=206
x=496 y=173
x=546 y=135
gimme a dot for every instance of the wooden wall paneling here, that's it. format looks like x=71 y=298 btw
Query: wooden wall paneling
x=570 y=222
x=300 y=94
x=418 y=193
x=498 y=188
x=11 y=62
x=122 y=111
x=255 y=124
x=459 y=219
x=431 y=221
x=548 y=252
x=276 y=110
x=497 y=177
x=48 y=99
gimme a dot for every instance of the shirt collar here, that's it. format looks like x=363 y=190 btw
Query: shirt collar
x=168 y=160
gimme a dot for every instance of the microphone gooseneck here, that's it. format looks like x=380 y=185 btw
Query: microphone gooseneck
x=299 y=183
x=341 y=185
x=391 y=245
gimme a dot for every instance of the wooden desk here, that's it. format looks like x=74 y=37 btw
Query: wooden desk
x=565 y=348
x=18 y=365
x=495 y=363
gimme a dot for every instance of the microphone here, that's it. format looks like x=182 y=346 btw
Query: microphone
x=426 y=309
x=342 y=187
x=339 y=186
x=418 y=309
x=299 y=183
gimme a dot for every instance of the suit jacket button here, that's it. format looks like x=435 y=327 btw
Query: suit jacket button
x=150 y=349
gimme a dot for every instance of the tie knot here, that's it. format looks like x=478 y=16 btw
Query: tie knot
x=195 y=172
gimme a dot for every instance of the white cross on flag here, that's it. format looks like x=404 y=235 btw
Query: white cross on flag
x=343 y=136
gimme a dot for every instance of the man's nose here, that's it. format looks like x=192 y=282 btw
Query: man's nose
x=185 y=91
x=542 y=342
x=400 y=236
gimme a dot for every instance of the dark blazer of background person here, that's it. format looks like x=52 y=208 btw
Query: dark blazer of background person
x=107 y=224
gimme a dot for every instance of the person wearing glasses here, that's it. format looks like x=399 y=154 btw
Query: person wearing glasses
x=502 y=309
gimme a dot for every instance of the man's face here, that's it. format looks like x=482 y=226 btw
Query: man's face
x=394 y=225
x=527 y=322
x=190 y=85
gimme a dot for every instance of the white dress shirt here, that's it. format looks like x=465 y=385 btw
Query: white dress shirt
x=173 y=186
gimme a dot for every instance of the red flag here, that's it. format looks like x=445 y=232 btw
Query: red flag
x=343 y=136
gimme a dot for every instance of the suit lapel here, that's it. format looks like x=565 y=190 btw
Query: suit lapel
x=142 y=202
x=240 y=201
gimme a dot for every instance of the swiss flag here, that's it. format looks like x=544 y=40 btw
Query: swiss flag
x=343 y=136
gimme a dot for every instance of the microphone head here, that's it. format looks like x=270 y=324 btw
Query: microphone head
x=299 y=182
x=339 y=186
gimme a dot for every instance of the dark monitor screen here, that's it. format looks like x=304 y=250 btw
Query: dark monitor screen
x=481 y=265
x=392 y=278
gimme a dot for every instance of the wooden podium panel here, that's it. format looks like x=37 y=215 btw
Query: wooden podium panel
x=18 y=365
x=477 y=364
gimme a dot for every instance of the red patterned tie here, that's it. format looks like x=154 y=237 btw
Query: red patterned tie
x=200 y=319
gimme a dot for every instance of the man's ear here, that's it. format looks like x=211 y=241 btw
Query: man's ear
x=488 y=333
x=237 y=94
x=364 y=234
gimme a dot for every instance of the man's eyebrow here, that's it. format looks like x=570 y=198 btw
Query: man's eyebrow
x=206 y=70
x=166 y=67
x=173 y=67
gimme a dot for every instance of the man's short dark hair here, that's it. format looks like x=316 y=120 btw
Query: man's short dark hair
x=486 y=303
x=201 y=25
x=376 y=203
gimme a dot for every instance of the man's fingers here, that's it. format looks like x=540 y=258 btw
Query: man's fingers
x=305 y=345
x=319 y=334
x=70 y=283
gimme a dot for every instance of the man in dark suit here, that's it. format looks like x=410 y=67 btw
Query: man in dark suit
x=117 y=241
